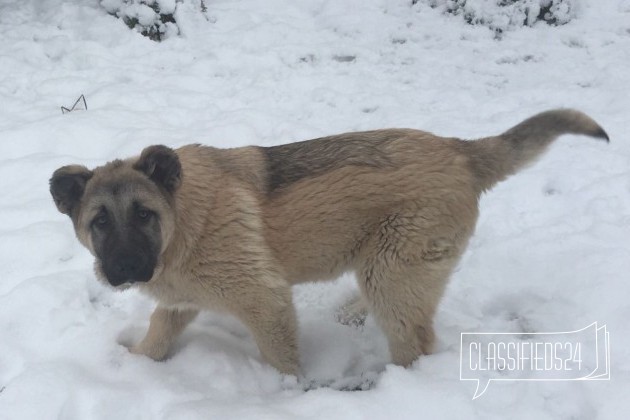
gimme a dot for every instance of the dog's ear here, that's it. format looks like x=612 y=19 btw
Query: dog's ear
x=67 y=186
x=161 y=165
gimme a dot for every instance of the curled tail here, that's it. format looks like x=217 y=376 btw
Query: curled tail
x=495 y=158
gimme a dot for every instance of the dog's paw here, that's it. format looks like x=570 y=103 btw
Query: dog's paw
x=155 y=352
x=362 y=382
x=353 y=313
x=129 y=338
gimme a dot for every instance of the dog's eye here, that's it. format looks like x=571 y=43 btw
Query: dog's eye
x=101 y=221
x=144 y=214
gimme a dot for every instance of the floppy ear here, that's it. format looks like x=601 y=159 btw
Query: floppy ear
x=67 y=186
x=161 y=165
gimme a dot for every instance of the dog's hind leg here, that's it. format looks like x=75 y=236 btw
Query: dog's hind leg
x=404 y=311
x=403 y=275
x=165 y=326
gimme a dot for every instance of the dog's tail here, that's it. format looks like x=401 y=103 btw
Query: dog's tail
x=495 y=158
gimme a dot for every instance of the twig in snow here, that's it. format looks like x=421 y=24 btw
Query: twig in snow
x=79 y=105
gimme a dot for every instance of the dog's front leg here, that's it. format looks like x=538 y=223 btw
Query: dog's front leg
x=271 y=318
x=166 y=325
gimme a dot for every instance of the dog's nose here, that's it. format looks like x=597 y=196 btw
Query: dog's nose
x=129 y=266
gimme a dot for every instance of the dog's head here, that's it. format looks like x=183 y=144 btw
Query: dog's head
x=123 y=212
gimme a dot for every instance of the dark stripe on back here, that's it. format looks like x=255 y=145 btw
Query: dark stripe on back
x=290 y=163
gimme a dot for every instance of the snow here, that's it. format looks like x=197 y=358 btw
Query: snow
x=550 y=253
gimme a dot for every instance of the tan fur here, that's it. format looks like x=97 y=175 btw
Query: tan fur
x=401 y=221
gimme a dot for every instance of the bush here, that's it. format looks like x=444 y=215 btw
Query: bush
x=502 y=15
x=152 y=18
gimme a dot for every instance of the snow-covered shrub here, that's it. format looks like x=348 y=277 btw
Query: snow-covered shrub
x=501 y=15
x=153 y=18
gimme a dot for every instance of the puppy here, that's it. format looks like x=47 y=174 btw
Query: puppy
x=233 y=229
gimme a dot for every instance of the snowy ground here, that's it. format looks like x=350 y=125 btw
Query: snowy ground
x=551 y=252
